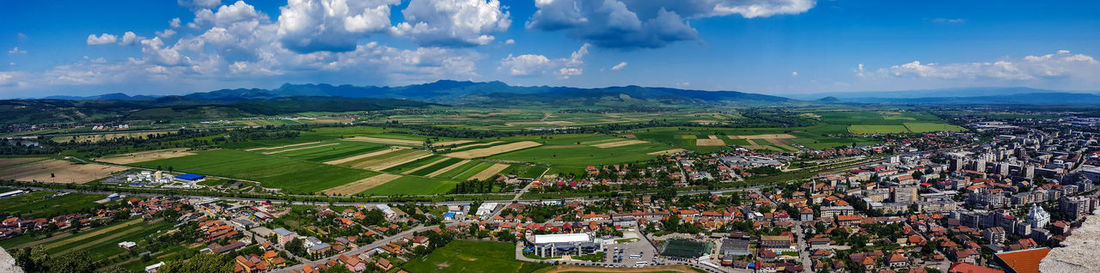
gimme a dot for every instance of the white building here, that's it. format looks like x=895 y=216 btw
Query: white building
x=1037 y=217
x=550 y=245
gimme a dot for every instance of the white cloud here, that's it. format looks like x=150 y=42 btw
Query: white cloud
x=167 y=33
x=647 y=23
x=16 y=51
x=533 y=64
x=102 y=39
x=510 y=42
x=619 y=66
x=331 y=25
x=794 y=74
x=175 y=23
x=129 y=38
x=1029 y=68
x=452 y=22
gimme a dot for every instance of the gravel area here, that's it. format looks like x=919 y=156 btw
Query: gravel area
x=1079 y=255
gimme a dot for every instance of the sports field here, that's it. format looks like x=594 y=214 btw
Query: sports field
x=292 y=175
x=472 y=256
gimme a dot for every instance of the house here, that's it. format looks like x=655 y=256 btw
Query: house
x=384 y=264
x=777 y=243
x=897 y=260
x=284 y=235
x=352 y=263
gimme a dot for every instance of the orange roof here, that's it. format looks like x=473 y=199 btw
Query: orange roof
x=1024 y=261
x=970 y=268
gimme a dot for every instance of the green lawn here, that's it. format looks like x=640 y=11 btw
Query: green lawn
x=472 y=256
x=294 y=176
x=413 y=185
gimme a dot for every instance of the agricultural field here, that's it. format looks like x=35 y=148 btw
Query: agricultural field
x=465 y=171
x=877 y=129
x=54 y=171
x=330 y=151
x=146 y=156
x=472 y=256
x=41 y=203
x=492 y=150
x=932 y=127
x=292 y=175
x=361 y=185
x=414 y=185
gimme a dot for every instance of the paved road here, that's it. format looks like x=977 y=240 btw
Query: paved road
x=803 y=254
x=365 y=248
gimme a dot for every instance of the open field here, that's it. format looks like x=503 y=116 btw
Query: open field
x=448 y=161
x=41 y=203
x=877 y=129
x=449 y=167
x=391 y=161
x=362 y=156
x=920 y=127
x=464 y=171
x=489 y=172
x=271 y=171
x=106 y=245
x=467 y=146
x=93 y=233
x=472 y=256
x=417 y=165
x=146 y=156
x=523 y=170
x=617 y=143
x=282 y=146
x=387 y=140
x=666 y=152
x=55 y=171
x=499 y=149
x=763 y=136
x=413 y=185
x=711 y=140
x=106 y=136
x=332 y=152
x=300 y=148
x=449 y=143
x=361 y=185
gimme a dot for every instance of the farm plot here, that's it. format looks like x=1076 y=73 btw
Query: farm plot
x=43 y=203
x=666 y=152
x=416 y=165
x=413 y=185
x=55 y=171
x=617 y=143
x=333 y=152
x=146 y=156
x=468 y=146
x=489 y=172
x=448 y=168
x=922 y=127
x=492 y=150
x=283 y=146
x=393 y=141
x=711 y=140
x=362 y=156
x=877 y=129
x=362 y=184
x=464 y=171
x=449 y=143
x=93 y=233
x=300 y=148
x=292 y=175
x=523 y=170
x=436 y=166
x=391 y=160
x=763 y=136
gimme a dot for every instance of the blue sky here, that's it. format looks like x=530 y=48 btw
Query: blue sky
x=765 y=46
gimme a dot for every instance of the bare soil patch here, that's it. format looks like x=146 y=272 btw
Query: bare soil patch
x=284 y=146
x=362 y=156
x=382 y=164
x=146 y=156
x=618 y=143
x=711 y=140
x=362 y=184
x=59 y=171
x=449 y=143
x=448 y=168
x=492 y=170
x=386 y=140
x=488 y=151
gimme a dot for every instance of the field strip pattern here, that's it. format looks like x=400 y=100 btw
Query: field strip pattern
x=449 y=143
x=425 y=165
x=146 y=156
x=477 y=145
x=488 y=151
x=59 y=171
x=766 y=136
x=448 y=168
x=601 y=141
x=362 y=156
x=109 y=237
x=711 y=140
x=618 y=143
x=492 y=170
x=301 y=148
x=392 y=162
x=86 y=235
x=281 y=147
x=362 y=184
x=386 y=140
x=667 y=152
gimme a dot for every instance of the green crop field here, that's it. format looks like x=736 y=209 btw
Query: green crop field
x=435 y=167
x=877 y=129
x=918 y=127
x=461 y=173
x=414 y=164
x=105 y=245
x=40 y=203
x=413 y=185
x=524 y=170
x=472 y=256
x=578 y=157
x=297 y=176
x=342 y=149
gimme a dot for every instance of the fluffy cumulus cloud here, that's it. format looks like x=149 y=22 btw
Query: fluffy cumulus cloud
x=533 y=64
x=452 y=22
x=102 y=39
x=1060 y=64
x=331 y=25
x=647 y=23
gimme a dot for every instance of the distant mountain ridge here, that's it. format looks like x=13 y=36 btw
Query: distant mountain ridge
x=969 y=95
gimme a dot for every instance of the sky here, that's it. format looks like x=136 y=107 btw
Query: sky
x=779 y=47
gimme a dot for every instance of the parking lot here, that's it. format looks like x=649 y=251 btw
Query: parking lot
x=632 y=251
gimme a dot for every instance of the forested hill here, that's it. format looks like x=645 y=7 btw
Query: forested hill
x=478 y=93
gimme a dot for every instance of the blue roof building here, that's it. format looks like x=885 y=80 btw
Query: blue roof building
x=191 y=177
